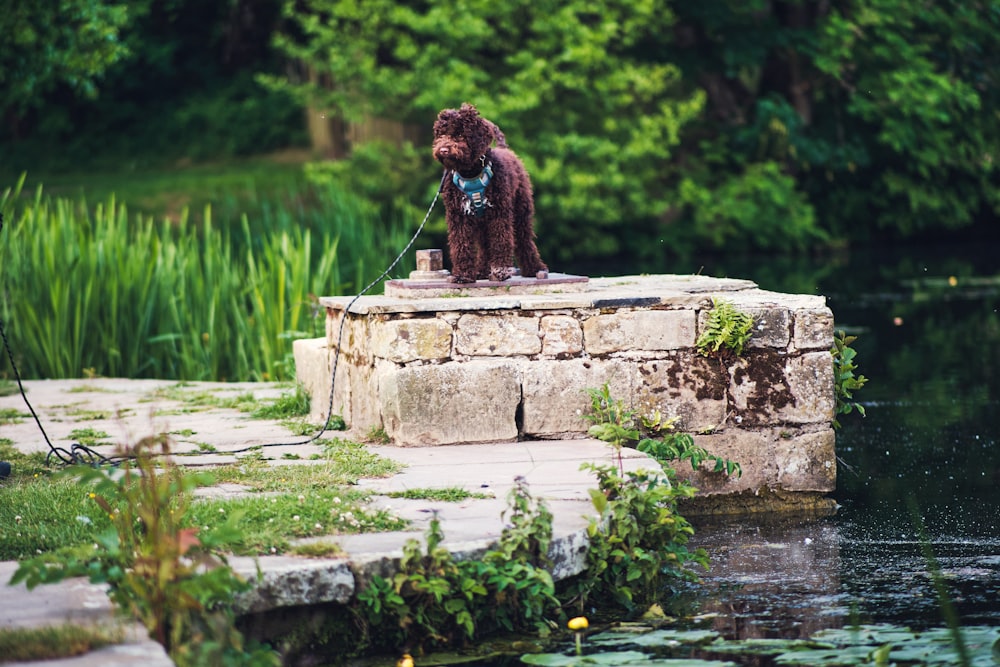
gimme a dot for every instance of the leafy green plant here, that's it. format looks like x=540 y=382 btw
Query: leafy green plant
x=727 y=330
x=620 y=427
x=614 y=423
x=845 y=382
x=175 y=580
x=638 y=540
x=189 y=298
x=661 y=441
x=434 y=600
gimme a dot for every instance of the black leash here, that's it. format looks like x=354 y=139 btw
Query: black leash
x=340 y=333
x=77 y=453
x=80 y=454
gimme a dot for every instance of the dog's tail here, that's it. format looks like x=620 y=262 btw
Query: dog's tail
x=498 y=134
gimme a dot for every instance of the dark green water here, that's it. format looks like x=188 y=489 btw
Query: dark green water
x=926 y=454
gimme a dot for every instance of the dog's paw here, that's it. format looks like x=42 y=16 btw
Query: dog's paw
x=501 y=273
x=461 y=279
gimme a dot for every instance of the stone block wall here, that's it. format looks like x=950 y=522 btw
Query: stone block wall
x=500 y=367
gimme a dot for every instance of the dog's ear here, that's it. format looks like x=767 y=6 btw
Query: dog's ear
x=498 y=134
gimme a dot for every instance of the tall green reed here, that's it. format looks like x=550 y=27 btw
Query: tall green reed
x=93 y=290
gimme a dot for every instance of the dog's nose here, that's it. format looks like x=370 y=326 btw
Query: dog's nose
x=444 y=150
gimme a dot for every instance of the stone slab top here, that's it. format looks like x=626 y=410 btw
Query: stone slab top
x=441 y=287
x=642 y=291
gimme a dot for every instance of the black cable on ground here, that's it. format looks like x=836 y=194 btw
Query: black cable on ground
x=340 y=333
x=80 y=454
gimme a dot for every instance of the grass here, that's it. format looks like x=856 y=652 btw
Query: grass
x=213 y=293
x=57 y=641
x=11 y=416
x=89 y=436
x=42 y=511
x=451 y=494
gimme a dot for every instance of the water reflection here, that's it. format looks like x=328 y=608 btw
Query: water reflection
x=929 y=340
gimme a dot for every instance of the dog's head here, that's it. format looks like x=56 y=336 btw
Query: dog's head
x=462 y=137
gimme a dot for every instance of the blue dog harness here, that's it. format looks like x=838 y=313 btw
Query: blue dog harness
x=475 y=190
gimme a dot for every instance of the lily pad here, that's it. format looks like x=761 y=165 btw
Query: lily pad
x=766 y=646
x=654 y=638
x=603 y=659
x=615 y=658
x=836 y=657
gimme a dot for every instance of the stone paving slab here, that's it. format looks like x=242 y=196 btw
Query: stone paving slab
x=79 y=602
x=131 y=409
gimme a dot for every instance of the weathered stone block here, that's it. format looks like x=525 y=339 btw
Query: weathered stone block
x=806 y=462
x=751 y=448
x=771 y=327
x=312 y=369
x=686 y=385
x=555 y=392
x=639 y=330
x=758 y=388
x=770 y=388
x=475 y=401
x=810 y=381
x=813 y=329
x=402 y=341
x=562 y=335
x=497 y=335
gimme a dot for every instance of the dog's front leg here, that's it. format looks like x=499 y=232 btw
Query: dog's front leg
x=462 y=247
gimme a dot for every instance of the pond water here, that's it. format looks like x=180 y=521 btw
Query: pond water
x=918 y=478
x=925 y=459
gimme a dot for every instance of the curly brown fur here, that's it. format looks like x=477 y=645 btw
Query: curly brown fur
x=483 y=247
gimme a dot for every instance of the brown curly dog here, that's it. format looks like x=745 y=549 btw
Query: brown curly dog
x=488 y=203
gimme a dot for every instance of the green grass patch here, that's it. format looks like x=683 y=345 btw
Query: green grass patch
x=12 y=416
x=56 y=641
x=318 y=549
x=451 y=494
x=270 y=522
x=201 y=293
x=7 y=387
x=89 y=436
x=42 y=512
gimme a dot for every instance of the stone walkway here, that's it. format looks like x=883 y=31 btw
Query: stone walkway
x=128 y=410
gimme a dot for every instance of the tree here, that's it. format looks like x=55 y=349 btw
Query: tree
x=576 y=86
x=882 y=111
x=920 y=83
x=48 y=43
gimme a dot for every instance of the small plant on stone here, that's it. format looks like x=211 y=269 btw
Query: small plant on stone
x=651 y=434
x=613 y=422
x=435 y=600
x=639 y=541
x=661 y=441
x=727 y=331
x=844 y=379
x=175 y=580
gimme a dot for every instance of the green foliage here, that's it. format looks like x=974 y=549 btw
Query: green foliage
x=434 y=600
x=620 y=426
x=639 y=540
x=845 y=382
x=759 y=207
x=92 y=288
x=71 y=43
x=918 y=84
x=726 y=331
x=600 y=163
x=173 y=579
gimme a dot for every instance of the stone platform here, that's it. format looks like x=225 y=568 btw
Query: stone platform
x=494 y=367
